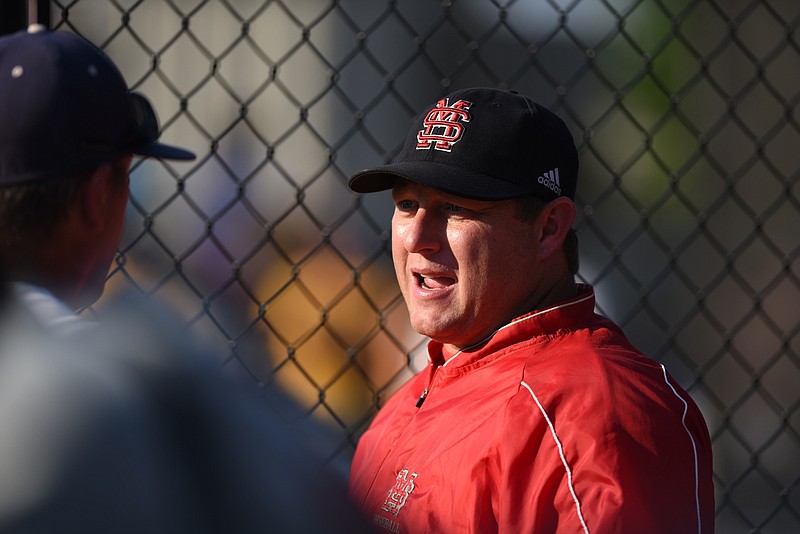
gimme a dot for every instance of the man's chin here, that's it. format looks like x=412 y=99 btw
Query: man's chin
x=433 y=328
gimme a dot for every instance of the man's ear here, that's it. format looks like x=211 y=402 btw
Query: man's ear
x=102 y=195
x=556 y=219
x=93 y=198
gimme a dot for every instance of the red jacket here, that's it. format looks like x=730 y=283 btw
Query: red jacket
x=556 y=424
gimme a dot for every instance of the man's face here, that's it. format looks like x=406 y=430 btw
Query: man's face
x=465 y=267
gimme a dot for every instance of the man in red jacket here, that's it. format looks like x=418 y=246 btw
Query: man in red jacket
x=535 y=414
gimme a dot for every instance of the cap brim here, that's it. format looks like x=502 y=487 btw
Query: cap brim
x=162 y=151
x=453 y=180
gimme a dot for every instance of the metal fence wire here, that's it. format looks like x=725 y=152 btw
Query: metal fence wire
x=685 y=113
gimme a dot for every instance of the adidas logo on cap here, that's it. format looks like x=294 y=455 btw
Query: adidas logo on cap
x=551 y=181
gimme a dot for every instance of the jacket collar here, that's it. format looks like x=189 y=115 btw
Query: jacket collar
x=547 y=322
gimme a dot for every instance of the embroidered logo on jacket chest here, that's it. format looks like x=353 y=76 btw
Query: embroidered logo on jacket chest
x=395 y=500
x=398 y=494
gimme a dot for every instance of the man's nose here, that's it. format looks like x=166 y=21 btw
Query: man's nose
x=424 y=232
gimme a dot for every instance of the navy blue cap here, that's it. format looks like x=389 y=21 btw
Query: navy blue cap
x=486 y=144
x=64 y=106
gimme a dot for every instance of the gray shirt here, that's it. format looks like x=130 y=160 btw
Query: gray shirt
x=127 y=428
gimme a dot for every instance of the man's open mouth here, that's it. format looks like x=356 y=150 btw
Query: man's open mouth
x=434 y=282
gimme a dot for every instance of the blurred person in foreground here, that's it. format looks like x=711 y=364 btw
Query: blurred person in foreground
x=122 y=424
x=535 y=414
x=69 y=128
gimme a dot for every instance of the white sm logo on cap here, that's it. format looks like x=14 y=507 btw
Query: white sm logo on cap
x=442 y=125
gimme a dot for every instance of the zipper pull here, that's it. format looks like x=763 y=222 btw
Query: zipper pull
x=422 y=397
x=431 y=374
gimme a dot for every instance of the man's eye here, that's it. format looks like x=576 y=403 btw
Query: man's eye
x=454 y=208
x=405 y=205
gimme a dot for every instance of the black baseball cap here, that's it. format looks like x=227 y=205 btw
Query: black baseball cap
x=486 y=144
x=64 y=106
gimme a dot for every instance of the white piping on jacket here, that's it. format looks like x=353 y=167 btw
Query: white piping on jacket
x=694 y=448
x=569 y=470
x=560 y=453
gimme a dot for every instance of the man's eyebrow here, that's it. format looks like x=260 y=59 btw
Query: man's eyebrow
x=402 y=185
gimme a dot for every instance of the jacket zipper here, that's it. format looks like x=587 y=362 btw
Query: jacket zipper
x=422 y=398
x=424 y=395
x=431 y=374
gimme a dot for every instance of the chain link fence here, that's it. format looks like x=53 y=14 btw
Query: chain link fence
x=685 y=113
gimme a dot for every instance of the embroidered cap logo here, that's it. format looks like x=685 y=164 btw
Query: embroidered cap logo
x=442 y=125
